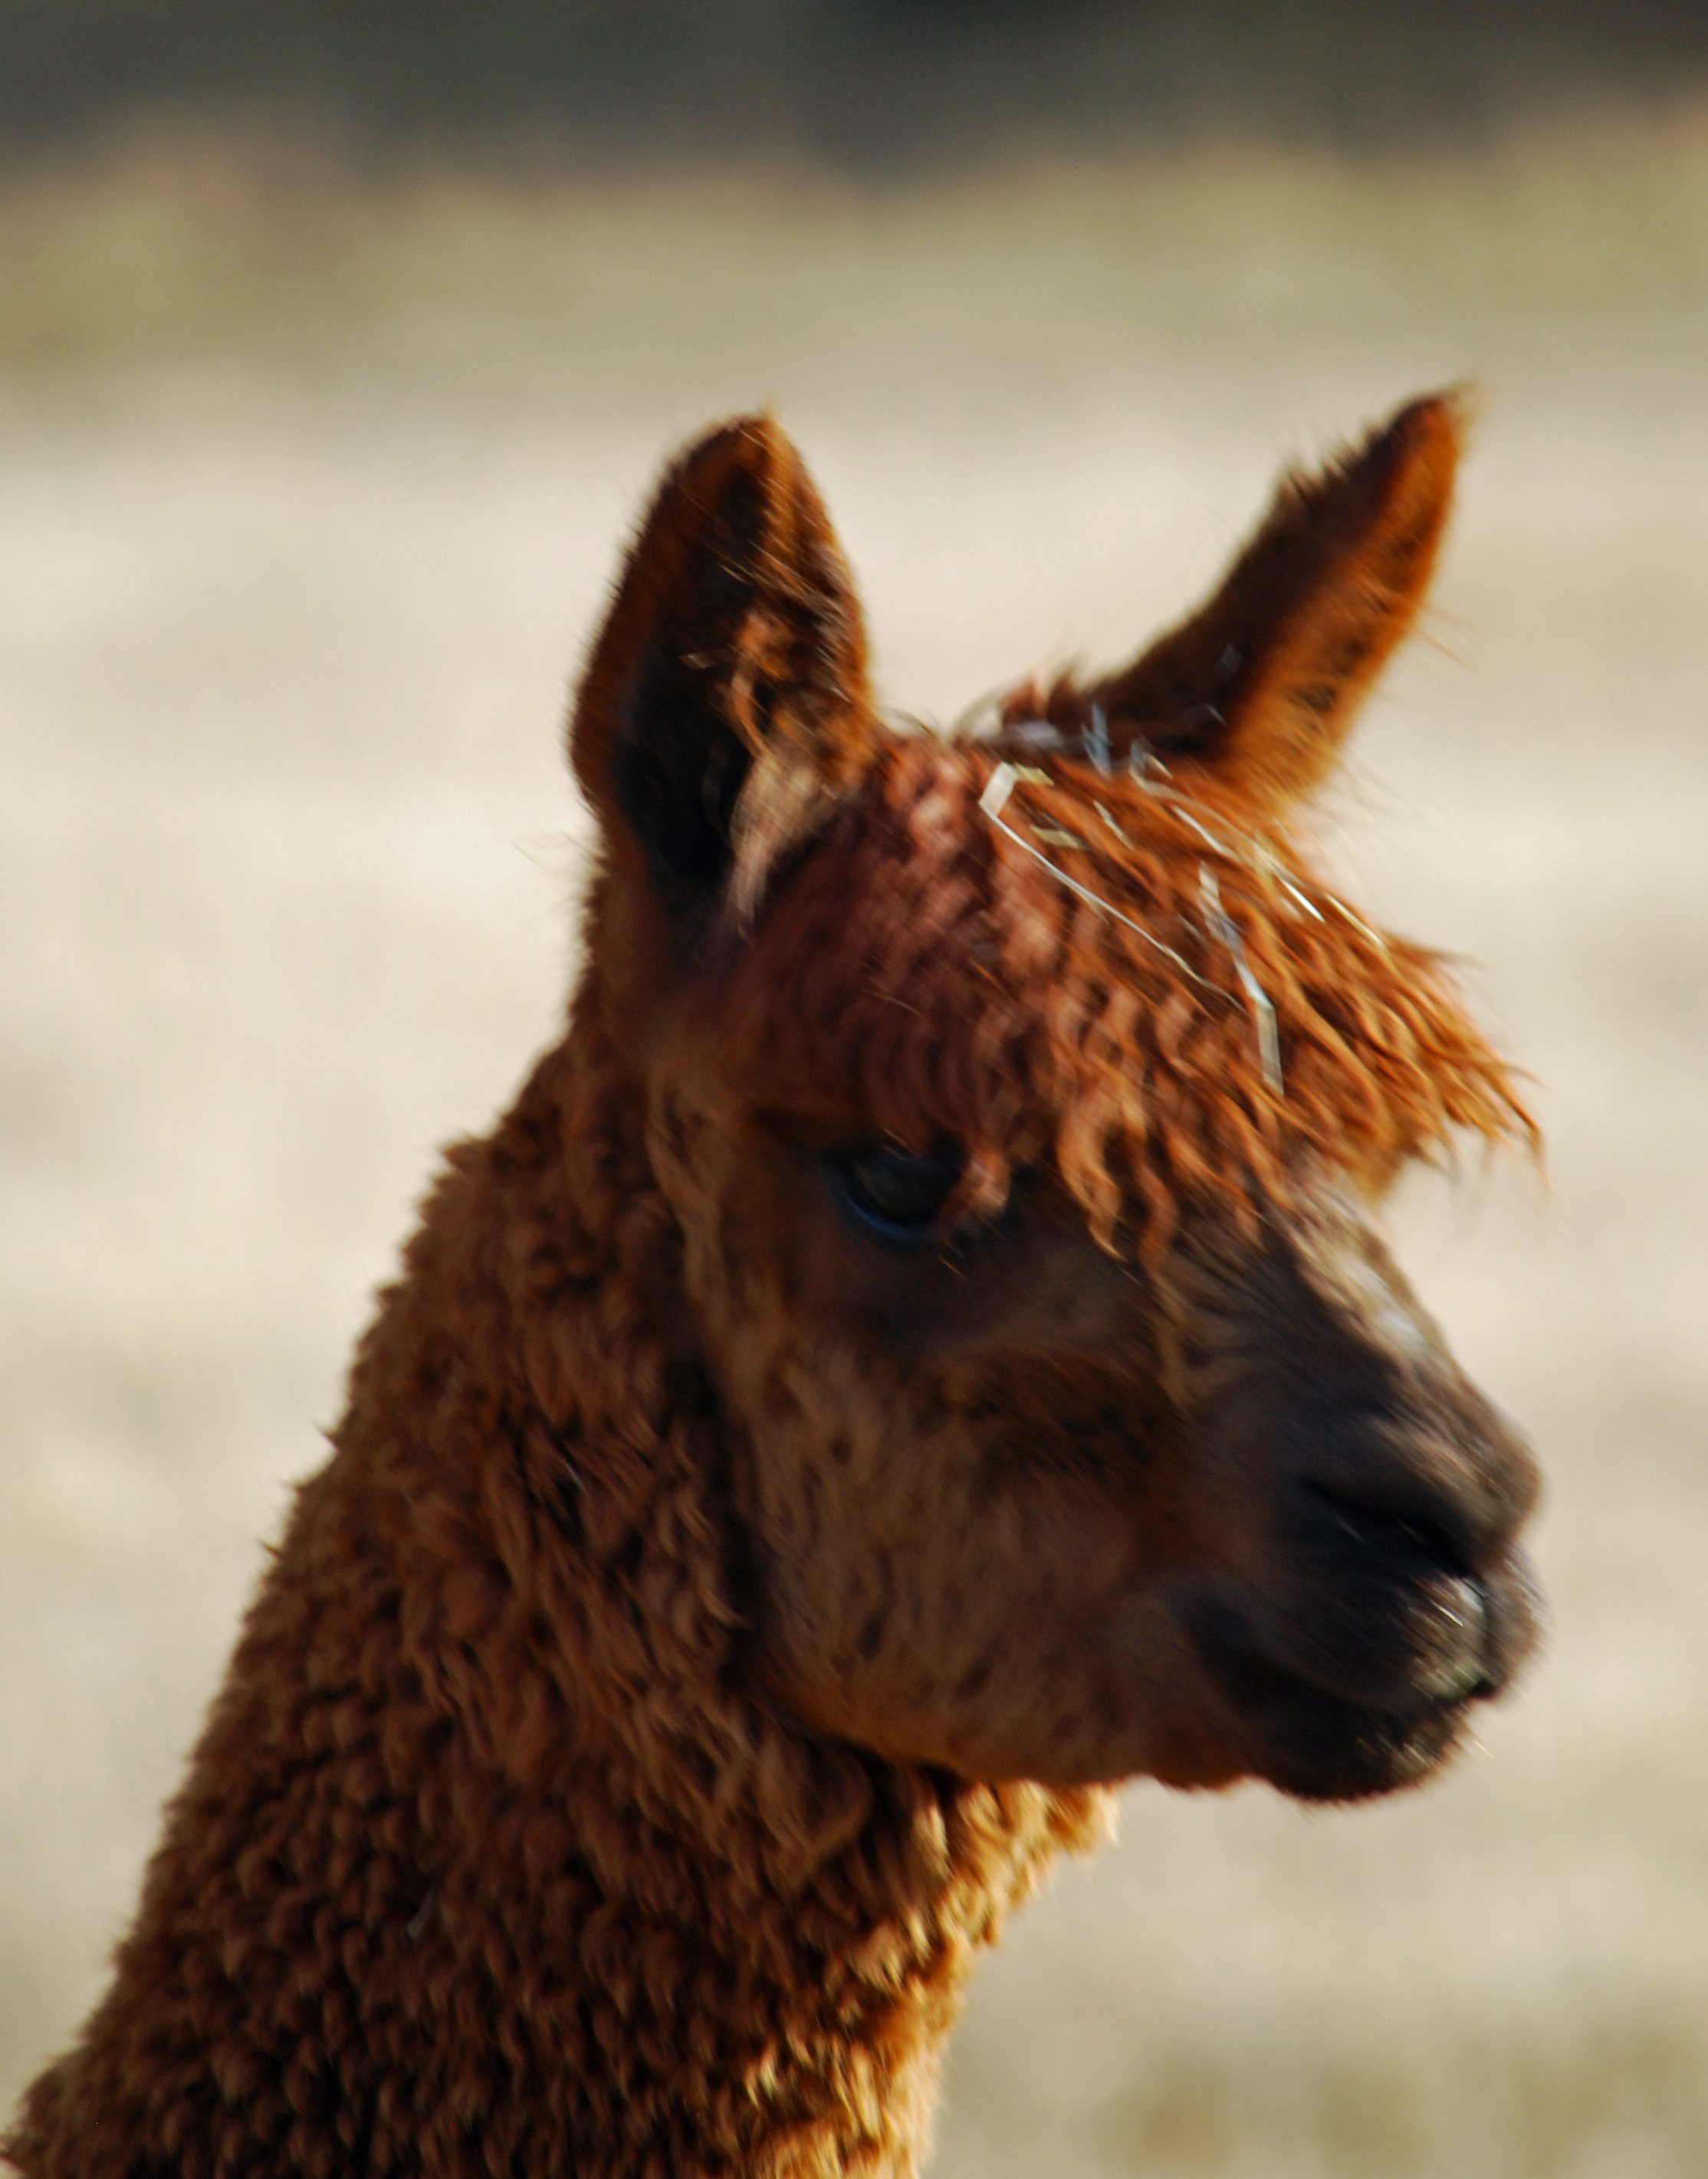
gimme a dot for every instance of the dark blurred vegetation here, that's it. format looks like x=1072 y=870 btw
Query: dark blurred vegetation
x=863 y=86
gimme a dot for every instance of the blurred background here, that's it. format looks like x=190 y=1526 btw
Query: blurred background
x=339 y=343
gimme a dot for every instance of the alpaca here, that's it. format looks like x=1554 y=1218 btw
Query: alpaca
x=915 y=1354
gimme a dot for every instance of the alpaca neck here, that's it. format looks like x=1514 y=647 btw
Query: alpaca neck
x=488 y=1858
x=770 y=1934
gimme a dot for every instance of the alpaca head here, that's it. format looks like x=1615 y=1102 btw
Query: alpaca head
x=1021 y=1099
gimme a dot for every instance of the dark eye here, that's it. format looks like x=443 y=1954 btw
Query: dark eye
x=893 y=1194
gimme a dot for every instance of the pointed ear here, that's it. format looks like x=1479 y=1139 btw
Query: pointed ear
x=1260 y=687
x=734 y=640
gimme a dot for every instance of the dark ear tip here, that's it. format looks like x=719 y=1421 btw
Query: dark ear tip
x=1406 y=468
x=749 y=473
x=755 y=446
x=1437 y=424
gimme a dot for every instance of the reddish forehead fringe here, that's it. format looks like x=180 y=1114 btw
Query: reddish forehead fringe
x=921 y=965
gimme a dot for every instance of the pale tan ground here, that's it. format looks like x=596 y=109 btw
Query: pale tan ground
x=307 y=504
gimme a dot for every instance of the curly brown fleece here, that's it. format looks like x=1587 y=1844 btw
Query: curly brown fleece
x=505 y=1850
x=485 y=1863
x=1139 y=1073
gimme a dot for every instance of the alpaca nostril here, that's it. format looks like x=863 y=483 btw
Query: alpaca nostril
x=1411 y=1541
x=1436 y=1481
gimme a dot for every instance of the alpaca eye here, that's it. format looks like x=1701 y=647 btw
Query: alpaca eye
x=892 y=1194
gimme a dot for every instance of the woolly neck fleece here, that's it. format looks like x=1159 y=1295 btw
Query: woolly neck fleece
x=486 y=1860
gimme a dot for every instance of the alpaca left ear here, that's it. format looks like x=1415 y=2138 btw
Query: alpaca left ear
x=726 y=699
x=1260 y=687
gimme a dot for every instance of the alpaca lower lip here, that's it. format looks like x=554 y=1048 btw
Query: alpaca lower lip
x=1319 y=1744
x=1468 y=1681
x=1322 y=1750
x=1320 y=1747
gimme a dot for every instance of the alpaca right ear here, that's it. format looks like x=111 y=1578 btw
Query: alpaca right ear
x=735 y=641
x=1260 y=688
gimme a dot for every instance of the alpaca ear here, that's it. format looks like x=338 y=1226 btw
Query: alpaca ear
x=1262 y=685
x=726 y=698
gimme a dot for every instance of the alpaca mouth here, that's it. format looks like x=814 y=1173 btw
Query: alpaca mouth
x=1319 y=1741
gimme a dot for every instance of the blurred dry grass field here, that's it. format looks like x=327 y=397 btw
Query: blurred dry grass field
x=309 y=495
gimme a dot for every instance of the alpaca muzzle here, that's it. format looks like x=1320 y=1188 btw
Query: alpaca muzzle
x=1381 y=1590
